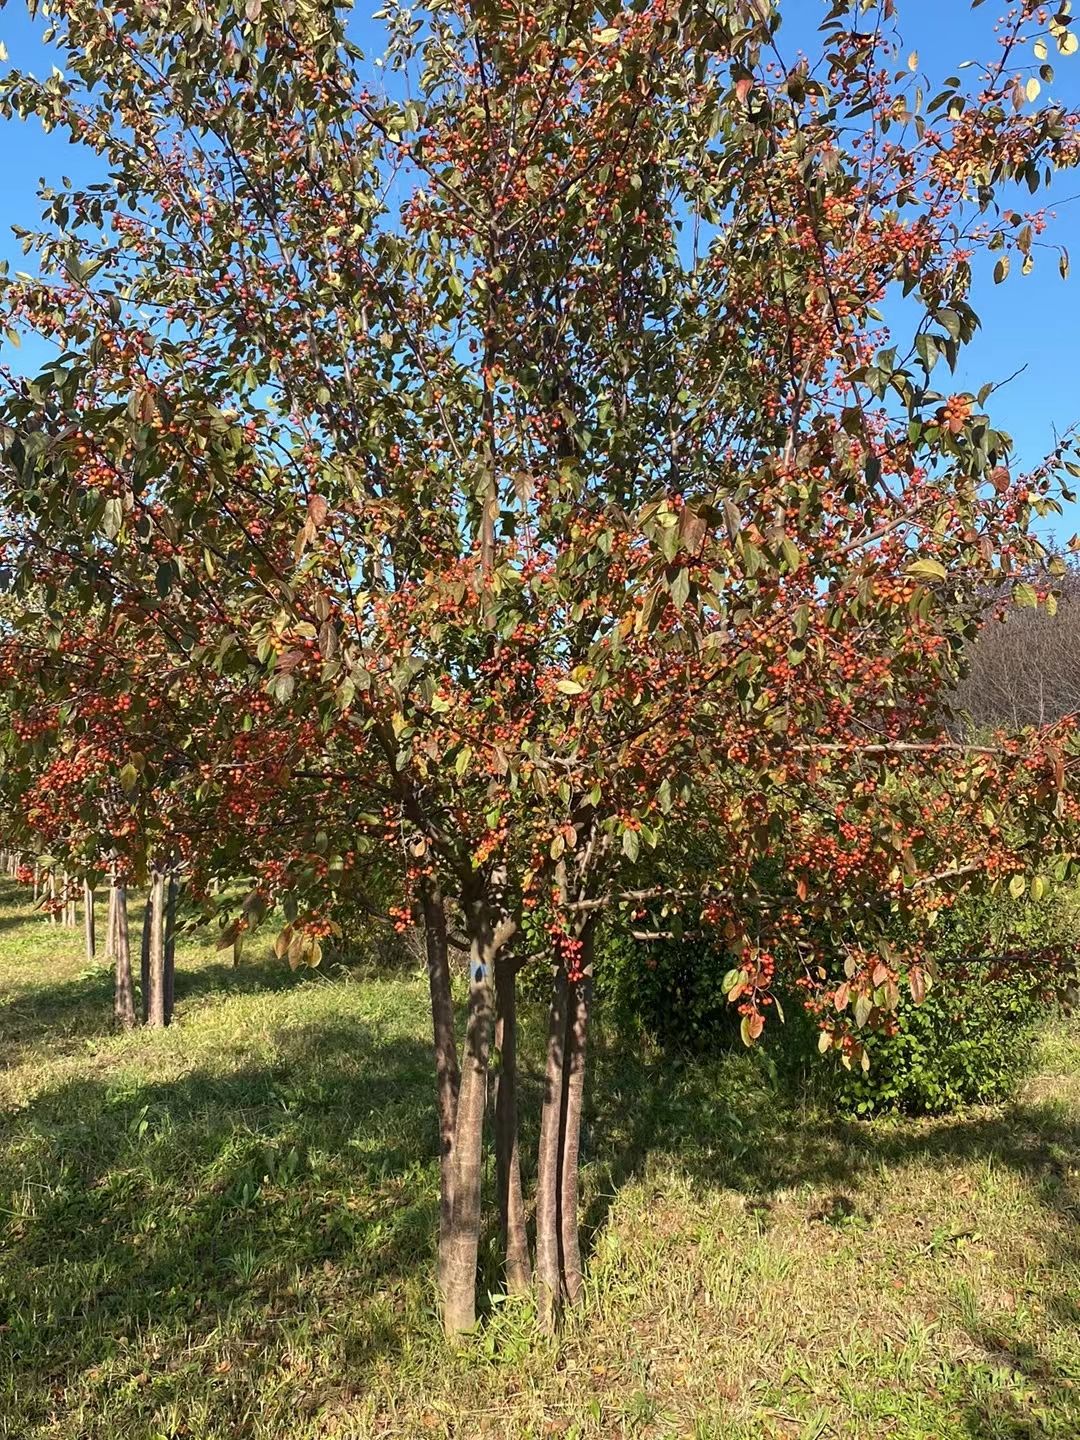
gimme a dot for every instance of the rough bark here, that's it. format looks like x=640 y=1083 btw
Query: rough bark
x=124 y=992
x=447 y=1077
x=559 y=1277
x=507 y=1151
x=155 y=1003
x=144 y=957
x=548 y=1269
x=110 y=925
x=71 y=916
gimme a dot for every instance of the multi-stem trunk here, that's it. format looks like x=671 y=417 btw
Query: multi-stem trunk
x=488 y=933
x=123 y=993
x=446 y=1063
x=577 y=1029
x=507 y=1151
x=155 y=1001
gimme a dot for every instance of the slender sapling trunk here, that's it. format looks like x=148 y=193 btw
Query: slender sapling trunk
x=447 y=1077
x=88 y=918
x=507 y=1150
x=124 y=992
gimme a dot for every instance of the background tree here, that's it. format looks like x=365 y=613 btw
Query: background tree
x=1024 y=666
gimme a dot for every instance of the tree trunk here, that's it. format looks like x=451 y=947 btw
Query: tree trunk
x=577 y=1030
x=558 y=1245
x=144 y=957
x=123 y=993
x=507 y=1152
x=170 y=947
x=71 y=918
x=487 y=936
x=548 y=1281
x=447 y=1078
x=110 y=924
x=156 y=997
x=88 y=918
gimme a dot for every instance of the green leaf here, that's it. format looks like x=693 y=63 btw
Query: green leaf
x=570 y=687
x=129 y=778
x=1017 y=886
x=631 y=844
x=112 y=517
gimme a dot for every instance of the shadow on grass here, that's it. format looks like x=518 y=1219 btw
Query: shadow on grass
x=272 y=1222
x=257 y=1236
x=758 y=1139
x=19 y=922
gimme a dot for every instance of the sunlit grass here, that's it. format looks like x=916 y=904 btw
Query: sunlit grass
x=225 y=1230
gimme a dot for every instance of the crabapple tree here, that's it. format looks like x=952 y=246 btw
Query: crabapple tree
x=519 y=444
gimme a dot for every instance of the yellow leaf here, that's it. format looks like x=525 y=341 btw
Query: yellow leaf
x=927 y=570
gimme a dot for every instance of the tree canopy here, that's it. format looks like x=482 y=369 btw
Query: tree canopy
x=542 y=493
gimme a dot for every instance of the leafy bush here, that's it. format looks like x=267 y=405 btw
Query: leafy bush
x=971 y=1040
x=972 y=1045
x=670 y=991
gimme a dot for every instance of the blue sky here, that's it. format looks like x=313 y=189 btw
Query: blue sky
x=1028 y=321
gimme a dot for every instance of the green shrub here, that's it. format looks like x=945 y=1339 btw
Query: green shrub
x=971 y=1044
x=971 y=1041
x=669 y=991
x=973 y=1038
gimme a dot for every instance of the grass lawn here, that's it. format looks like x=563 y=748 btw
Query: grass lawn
x=225 y=1230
